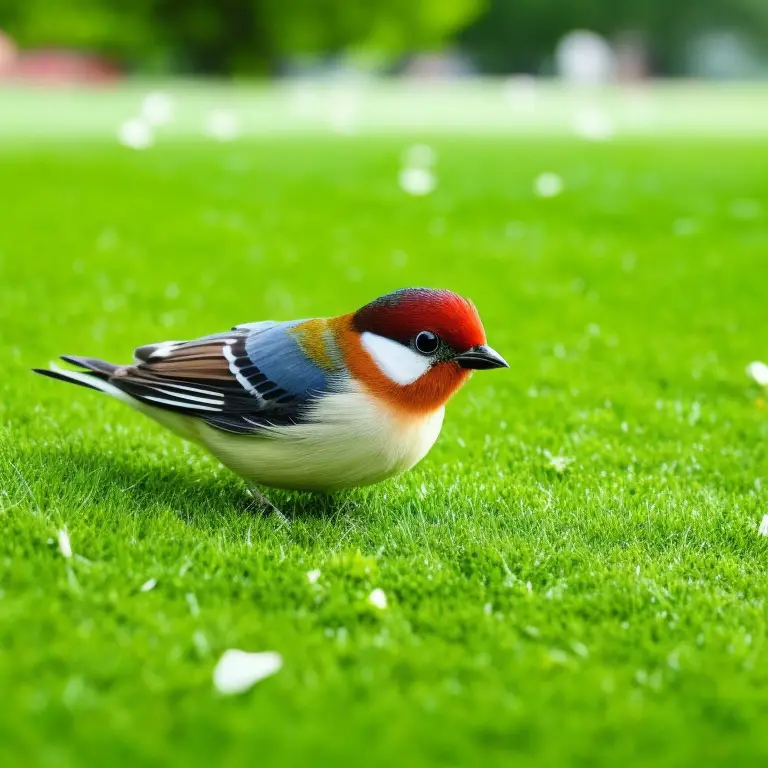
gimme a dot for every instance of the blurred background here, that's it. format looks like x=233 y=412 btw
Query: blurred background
x=593 y=40
x=526 y=48
x=574 y=571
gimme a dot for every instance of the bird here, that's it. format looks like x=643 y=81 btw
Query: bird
x=320 y=404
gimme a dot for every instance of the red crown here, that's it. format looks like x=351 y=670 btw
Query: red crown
x=402 y=314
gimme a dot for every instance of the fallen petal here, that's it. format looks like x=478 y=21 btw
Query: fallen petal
x=548 y=185
x=64 y=546
x=758 y=372
x=237 y=671
x=378 y=599
x=135 y=133
x=417 y=181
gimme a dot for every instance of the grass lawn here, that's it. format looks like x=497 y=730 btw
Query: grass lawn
x=611 y=613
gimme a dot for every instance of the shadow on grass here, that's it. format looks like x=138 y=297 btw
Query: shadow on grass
x=45 y=475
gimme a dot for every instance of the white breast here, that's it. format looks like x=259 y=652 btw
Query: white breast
x=350 y=440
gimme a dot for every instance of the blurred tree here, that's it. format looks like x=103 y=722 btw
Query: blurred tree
x=114 y=28
x=218 y=36
x=517 y=35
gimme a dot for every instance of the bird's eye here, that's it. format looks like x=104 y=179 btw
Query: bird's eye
x=426 y=342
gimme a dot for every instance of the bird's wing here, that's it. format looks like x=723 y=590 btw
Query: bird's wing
x=257 y=375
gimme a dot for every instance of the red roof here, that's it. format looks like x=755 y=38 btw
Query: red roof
x=59 y=66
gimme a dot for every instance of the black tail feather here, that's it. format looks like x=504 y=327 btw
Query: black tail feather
x=93 y=365
x=62 y=376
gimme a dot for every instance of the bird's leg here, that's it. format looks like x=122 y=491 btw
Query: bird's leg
x=261 y=498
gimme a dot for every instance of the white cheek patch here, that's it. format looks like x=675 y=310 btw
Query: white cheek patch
x=396 y=361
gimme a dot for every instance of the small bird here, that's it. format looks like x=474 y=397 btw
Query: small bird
x=316 y=405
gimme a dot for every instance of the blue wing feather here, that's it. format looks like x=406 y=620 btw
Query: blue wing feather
x=276 y=352
x=258 y=327
x=255 y=376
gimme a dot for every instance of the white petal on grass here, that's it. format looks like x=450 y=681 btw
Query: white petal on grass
x=548 y=184
x=758 y=372
x=594 y=124
x=314 y=576
x=419 y=156
x=135 y=134
x=559 y=463
x=763 y=529
x=417 y=181
x=64 y=544
x=148 y=585
x=378 y=599
x=237 y=671
x=580 y=649
x=157 y=108
x=222 y=125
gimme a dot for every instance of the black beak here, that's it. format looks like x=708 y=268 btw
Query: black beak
x=481 y=358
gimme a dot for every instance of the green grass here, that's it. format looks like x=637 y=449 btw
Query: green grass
x=614 y=613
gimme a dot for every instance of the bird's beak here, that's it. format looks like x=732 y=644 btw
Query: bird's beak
x=481 y=358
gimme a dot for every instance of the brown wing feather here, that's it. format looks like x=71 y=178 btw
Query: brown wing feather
x=209 y=367
x=211 y=378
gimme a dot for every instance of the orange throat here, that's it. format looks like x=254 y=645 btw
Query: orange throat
x=422 y=397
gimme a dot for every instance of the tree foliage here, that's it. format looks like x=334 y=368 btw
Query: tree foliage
x=219 y=36
x=516 y=35
x=234 y=35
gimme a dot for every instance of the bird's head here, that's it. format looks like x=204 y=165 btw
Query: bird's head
x=415 y=348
